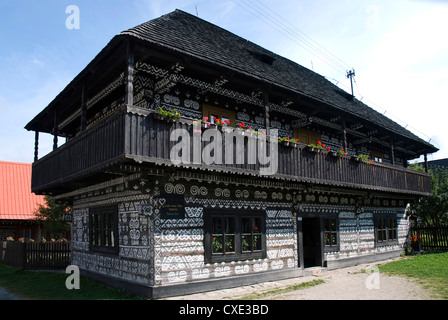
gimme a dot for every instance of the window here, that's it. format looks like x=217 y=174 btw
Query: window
x=330 y=235
x=307 y=136
x=377 y=156
x=224 y=114
x=231 y=237
x=251 y=234
x=223 y=241
x=104 y=229
x=386 y=231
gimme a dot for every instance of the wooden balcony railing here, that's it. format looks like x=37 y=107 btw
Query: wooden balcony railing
x=87 y=153
x=143 y=139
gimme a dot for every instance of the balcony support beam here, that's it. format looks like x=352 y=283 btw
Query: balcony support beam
x=266 y=111
x=392 y=152
x=55 y=130
x=344 y=135
x=36 y=146
x=83 y=107
x=129 y=75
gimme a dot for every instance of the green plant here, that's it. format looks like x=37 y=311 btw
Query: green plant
x=170 y=115
x=433 y=210
x=217 y=244
x=363 y=158
x=319 y=145
x=341 y=152
x=51 y=215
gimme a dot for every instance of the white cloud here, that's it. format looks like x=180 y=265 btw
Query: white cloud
x=407 y=74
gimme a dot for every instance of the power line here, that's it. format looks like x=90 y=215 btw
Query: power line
x=274 y=20
x=277 y=24
x=308 y=39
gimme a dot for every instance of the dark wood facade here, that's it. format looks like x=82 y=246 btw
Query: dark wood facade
x=166 y=219
x=148 y=141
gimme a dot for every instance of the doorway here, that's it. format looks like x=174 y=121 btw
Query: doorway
x=312 y=247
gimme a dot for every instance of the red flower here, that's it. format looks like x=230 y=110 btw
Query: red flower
x=287 y=138
x=328 y=149
x=227 y=121
x=255 y=228
x=319 y=143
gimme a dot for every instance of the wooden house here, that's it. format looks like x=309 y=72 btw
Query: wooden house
x=160 y=227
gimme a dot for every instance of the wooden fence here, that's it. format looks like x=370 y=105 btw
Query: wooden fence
x=431 y=238
x=36 y=255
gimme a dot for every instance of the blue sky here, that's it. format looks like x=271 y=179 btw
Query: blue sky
x=398 y=49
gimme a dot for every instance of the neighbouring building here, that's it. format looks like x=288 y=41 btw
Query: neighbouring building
x=164 y=206
x=18 y=203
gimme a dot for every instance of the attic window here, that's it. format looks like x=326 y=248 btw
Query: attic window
x=263 y=57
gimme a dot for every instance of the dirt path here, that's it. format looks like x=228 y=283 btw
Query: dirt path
x=341 y=284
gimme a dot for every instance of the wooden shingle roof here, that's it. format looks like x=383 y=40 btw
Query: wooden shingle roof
x=184 y=34
x=187 y=34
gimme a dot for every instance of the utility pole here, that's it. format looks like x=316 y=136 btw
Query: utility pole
x=351 y=74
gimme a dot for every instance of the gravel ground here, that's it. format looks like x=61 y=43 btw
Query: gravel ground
x=342 y=284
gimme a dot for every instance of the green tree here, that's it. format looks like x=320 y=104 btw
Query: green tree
x=51 y=215
x=433 y=210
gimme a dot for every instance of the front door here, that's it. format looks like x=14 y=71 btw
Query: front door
x=312 y=247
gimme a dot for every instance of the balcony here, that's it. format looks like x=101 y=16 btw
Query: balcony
x=138 y=139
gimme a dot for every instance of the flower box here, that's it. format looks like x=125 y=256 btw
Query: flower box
x=166 y=115
x=313 y=149
x=205 y=125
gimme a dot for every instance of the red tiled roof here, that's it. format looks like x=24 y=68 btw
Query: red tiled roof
x=16 y=199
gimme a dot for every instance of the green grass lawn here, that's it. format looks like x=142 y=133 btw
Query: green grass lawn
x=51 y=286
x=431 y=270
